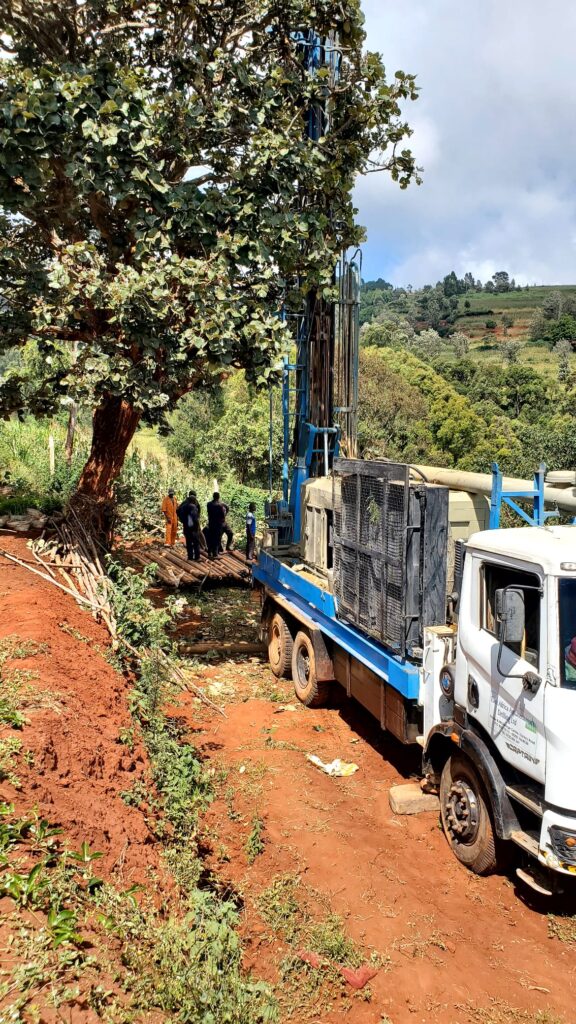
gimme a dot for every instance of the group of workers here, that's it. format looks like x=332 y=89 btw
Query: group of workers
x=210 y=537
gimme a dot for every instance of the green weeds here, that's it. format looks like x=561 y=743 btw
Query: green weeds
x=16 y=693
x=10 y=748
x=186 y=960
x=562 y=928
x=255 y=843
x=285 y=906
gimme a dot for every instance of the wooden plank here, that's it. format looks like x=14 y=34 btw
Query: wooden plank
x=224 y=648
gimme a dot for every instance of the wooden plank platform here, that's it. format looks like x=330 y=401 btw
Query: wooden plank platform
x=174 y=569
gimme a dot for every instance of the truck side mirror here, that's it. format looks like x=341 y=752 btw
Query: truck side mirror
x=510 y=615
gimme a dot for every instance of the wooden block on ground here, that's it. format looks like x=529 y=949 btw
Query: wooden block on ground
x=409 y=799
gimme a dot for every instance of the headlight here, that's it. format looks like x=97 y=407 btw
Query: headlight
x=563 y=842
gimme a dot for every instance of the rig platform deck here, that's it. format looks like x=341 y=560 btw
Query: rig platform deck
x=174 y=569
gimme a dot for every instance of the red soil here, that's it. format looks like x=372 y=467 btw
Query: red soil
x=455 y=941
x=78 y=766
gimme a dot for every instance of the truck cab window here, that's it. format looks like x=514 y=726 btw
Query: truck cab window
x=567 y=605
x=496 y=577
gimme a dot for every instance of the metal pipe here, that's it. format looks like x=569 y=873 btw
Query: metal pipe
x=481 y=483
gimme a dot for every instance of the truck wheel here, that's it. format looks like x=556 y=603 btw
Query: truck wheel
x=307 y=688
x=464 y=807
x=280 y=646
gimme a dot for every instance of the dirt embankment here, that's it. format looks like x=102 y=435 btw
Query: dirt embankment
x=78 y=760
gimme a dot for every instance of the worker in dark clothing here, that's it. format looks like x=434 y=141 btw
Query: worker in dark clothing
x=189 y=515
x=217 y=526
x=250 y=531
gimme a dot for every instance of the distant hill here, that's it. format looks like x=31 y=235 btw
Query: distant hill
x=487 y=318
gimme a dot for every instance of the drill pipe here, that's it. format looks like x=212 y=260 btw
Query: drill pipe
x=481 y=483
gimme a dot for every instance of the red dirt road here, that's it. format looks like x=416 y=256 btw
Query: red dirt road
x=456 y=942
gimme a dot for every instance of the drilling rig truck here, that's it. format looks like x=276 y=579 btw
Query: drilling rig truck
x=394 y=583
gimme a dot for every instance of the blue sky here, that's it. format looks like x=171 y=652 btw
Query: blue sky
x=494 y=132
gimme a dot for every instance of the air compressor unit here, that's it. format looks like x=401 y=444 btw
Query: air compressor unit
x=390 y=552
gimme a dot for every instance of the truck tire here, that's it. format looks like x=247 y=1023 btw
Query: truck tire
x=465 y=812
x=309 y=691
x=280 y=646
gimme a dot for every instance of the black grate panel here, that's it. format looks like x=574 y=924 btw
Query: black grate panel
x=390 y=551
x=370 y=526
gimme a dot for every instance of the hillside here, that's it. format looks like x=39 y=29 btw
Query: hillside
x=494 y=321
x=521 y=305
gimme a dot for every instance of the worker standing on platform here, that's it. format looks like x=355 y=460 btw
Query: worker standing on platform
x=217 y=525
x=170 y=517
x=250 y=531
x=189 y=515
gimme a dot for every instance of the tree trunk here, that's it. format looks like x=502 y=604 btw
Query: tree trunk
x=113 y=426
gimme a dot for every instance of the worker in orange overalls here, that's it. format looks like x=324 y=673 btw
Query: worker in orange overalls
x=169 y=513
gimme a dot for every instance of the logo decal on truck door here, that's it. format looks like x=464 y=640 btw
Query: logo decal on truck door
x=518 y=730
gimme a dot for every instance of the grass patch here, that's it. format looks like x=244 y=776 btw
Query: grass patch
x=187 y=960
x=185 y=965
x=306 y=991
x=10 y=748
x=16 y=693
x=562 y=928
x=502 y=1013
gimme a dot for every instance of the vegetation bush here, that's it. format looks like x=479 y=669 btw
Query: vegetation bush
x=226 y=433
x=25 y=463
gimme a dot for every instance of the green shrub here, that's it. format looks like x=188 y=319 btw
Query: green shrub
x=26 y=466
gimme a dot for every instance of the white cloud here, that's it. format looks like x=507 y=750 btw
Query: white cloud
x=493 y=130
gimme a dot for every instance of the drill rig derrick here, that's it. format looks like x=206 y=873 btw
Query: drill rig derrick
x=320 y=390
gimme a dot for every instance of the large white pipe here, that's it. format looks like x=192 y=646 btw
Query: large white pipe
x=481 y=483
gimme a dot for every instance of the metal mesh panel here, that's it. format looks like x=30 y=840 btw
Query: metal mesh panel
x=370 y=521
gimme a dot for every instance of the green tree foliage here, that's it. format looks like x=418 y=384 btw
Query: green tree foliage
x=159 y=200
x=563 y=349
x=463 y=413
x=448 y=428
x=501 y=281
x=516 y=391
x=227 y=433
x=460 y=343
x=510 y=350
x=555 y=321
x=390 y=330
x=564 y=328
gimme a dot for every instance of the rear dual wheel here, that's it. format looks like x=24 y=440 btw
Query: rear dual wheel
x=310 y=692
x=280 y=646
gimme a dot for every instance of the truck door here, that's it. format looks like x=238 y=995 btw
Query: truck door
x=497 y=696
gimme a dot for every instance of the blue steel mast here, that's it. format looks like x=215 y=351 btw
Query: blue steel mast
x=320 y=390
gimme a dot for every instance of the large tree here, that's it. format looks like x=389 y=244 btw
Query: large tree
x=159 y=200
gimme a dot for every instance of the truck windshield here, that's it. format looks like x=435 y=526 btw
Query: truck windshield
x=567 y=603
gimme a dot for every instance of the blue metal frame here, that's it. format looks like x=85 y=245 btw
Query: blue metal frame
x=535 y=494
x=320 y=608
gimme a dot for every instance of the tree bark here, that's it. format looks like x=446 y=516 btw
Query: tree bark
x=113 y=426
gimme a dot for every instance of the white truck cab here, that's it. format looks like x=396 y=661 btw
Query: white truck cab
x=509 y=696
